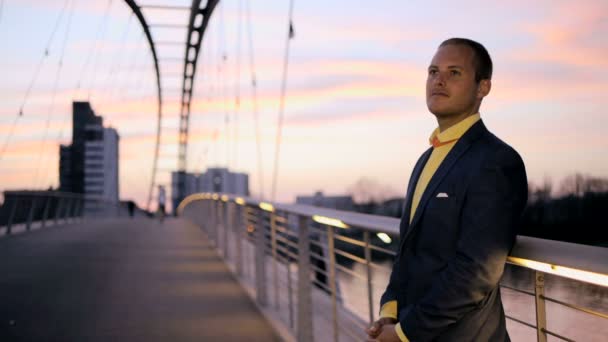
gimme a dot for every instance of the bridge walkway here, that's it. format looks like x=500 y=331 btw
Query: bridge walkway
x=122 y=280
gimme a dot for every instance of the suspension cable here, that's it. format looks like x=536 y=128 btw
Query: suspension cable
x=118 y=93
x=119 y=57
x=223 y=93
x=237 y=84
x=290 y=35
x=93 y=48
x=254 y=96
x=96 y=55
x=33 y=81
x=54 y=94
x=9 y=136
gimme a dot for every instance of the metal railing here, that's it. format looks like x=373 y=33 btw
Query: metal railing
x=298 y=252
x=26 y=210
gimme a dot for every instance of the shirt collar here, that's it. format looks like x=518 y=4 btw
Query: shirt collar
x=453 y=133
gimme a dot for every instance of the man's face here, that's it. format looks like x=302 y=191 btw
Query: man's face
x=451 y=90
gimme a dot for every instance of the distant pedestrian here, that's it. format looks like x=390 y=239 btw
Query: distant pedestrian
x=131 y=206
x=161 y=203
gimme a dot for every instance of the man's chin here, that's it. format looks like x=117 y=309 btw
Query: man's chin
x=439 y=112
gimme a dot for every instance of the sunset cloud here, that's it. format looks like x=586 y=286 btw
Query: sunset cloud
x=355 y=100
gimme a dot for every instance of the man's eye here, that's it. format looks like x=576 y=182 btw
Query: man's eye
x=432 y=72
x=454 y=72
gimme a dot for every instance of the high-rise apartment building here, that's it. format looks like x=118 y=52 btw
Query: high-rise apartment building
x=101 y=163
x=90 y=164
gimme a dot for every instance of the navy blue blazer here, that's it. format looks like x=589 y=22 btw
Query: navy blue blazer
x=452 y=255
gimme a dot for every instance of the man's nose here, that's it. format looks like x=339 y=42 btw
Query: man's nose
x=439 y=79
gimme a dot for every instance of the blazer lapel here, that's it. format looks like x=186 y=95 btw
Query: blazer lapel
x=411 y=187
x=462 y=145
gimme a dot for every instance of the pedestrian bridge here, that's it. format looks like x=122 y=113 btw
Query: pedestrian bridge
x=231 y=268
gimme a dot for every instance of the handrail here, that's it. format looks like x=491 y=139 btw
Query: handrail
x=255 y=223
x=48 y=207
x=579 y=262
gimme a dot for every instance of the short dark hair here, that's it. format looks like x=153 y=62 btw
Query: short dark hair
x=481 y=57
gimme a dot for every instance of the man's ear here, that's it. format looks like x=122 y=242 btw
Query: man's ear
x=484 y=88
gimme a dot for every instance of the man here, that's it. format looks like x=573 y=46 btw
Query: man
x=462 y=209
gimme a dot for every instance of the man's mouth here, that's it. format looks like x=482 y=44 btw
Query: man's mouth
x=440 y=93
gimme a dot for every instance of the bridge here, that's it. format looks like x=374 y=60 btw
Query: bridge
x=230 y=267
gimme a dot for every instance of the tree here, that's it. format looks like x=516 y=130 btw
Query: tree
x=578 y=185
x=367 y=190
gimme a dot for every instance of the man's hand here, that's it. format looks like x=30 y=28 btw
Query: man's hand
x=387 y=334
x=376 y=328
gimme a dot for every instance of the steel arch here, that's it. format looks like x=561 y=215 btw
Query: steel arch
x=199 y=18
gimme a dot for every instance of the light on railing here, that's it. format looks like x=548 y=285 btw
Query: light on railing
x=240 y=201
x=573 y=273
x=266 y=206
x=384 y=237
x=215 y=197
x=224 y=198
x=329 y=221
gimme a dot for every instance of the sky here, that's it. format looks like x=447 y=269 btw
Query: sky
x=355 y=88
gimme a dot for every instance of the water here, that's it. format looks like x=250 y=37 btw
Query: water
x=562 y=320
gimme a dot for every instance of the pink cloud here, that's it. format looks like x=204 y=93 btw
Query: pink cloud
x=566 y=35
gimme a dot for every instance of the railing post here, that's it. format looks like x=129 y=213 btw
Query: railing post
x=238 y=229
x=290 y=295
x=205 y=217
x=305 y=328
x=83 y=203
x=218 y=223
x=66 y=213
x=541 y=316
x=332 y=279
x=368 y=264
x=260 y=262
x=12 y=216
x=273 y=239
x=229 y=229
x=249 y=261
x=58 y=209
x=216 y=220
x=76 y=213
x=45 y=213
x=225 y=225
x=220 y=226
x=30 y=214
x=210 y=224
x=209 y=215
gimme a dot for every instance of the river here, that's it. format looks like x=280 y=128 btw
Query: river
x=567 y=322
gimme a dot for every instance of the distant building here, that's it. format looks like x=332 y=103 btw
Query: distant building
x=213 y=180
x=101 y=163
x=90 y=164
x=332 y=202
x=73 y=161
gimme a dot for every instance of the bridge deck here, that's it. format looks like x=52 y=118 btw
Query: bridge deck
x=122 y=280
